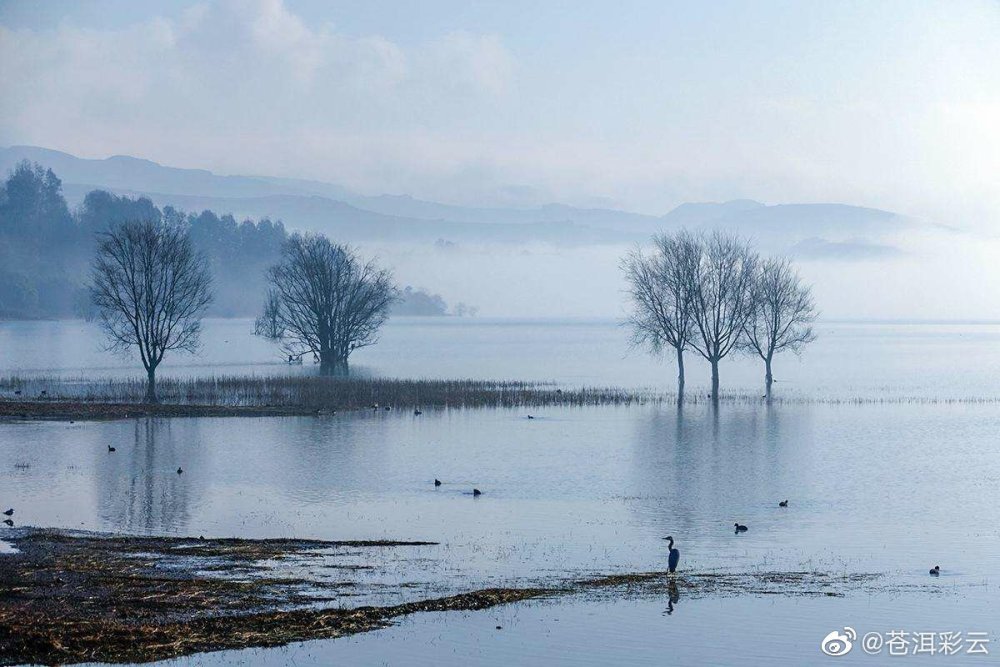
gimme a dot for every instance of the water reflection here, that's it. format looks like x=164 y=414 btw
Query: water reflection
x=673 y=596
x=593 y=490
x=138 y=487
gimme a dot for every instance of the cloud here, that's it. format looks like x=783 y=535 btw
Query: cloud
x=243 y=84
x=679 y=102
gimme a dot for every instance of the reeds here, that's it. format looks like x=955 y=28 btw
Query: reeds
x=350 y=393
x=322 y=392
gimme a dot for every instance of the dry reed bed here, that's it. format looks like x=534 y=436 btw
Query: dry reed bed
x=307 y=394
x=320 y=392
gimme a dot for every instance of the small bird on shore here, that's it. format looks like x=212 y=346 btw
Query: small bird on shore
x=437 y=482
x=783 y=503
x=388 y=407
x=936 y=570
x=476 y=493
x=44 y=393
x=17 y=392
x=675 y=554
x=9 y=522
x=180 y=471
x=531 y=416
x=740 y=528
x=112 y=449
x=9 y=512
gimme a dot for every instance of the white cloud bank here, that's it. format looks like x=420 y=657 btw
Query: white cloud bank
x=892 y=104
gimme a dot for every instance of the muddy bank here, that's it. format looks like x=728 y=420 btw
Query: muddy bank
x=75 y=597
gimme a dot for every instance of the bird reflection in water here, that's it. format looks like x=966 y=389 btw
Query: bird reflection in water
x=673 y=595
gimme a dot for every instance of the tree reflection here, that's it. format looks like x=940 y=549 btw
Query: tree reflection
x=140 y=489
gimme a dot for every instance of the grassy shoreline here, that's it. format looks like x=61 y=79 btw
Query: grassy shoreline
x=58 y=398
x=267 y=396
x=69 y=597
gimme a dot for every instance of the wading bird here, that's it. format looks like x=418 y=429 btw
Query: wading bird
x=9 y=512
x=674 y=556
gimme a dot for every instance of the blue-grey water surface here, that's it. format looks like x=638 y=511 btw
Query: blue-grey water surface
x=876 y=488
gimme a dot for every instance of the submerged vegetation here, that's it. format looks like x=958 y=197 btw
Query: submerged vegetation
x=60 y=398
x=78 y=597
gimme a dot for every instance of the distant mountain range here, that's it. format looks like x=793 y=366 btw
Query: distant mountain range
x=811 y=230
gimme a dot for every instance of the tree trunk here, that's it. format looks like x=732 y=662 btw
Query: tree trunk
x=331 y=363
x=768 y=379
x=151 y=385
x=715 y=381
x=680 y=376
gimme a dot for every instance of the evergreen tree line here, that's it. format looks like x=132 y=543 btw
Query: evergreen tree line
x=46 y=249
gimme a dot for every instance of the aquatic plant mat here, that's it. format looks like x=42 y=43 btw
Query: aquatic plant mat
x=68 y=597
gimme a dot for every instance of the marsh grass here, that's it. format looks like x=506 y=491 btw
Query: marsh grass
x=351 y=393
x=321 y=392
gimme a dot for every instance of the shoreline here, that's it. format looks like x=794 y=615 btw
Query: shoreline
x=72 y=596
x=67 y=410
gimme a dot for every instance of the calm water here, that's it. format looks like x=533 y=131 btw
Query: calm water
x=891 y=489
x=848 y=360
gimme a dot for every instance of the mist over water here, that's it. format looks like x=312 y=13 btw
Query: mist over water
x=849 y=360
x=504 y=167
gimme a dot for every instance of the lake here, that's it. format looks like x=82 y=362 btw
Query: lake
x=849 y=360
x=888 y=488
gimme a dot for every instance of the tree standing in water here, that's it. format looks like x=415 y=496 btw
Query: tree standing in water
x=324 y=299
x=782 y=315
x=721 y=298
x=659 y=287
x=150 y=289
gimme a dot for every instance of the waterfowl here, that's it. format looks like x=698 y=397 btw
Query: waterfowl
x=783 y=503
x=477 y=492
x=111 y=449
x=741 y=528
x=17 y=392
x=9 y=522
x=936 y=570
x=417 y=413
x=179 y=471
x=531 y=416
x=437 y=482
x=44 y=393
x=9 y=512
x=675 y=555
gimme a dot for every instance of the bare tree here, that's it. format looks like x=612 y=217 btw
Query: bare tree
x=323 y=299
x=659 y=286
x=150 y=288
x=721 y=298
x=782 y=317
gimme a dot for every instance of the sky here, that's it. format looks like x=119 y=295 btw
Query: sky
x=627 y=104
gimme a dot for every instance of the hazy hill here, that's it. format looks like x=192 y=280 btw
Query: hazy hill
x=818 y=230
